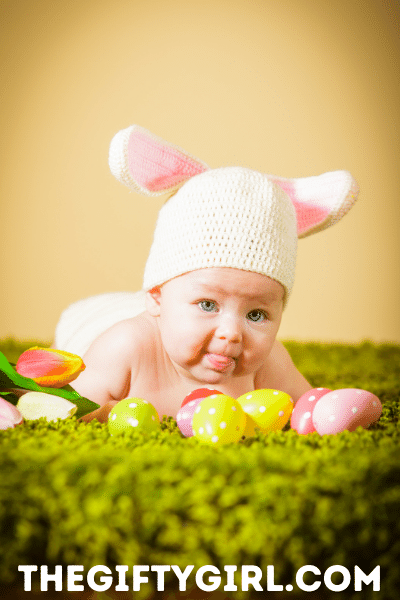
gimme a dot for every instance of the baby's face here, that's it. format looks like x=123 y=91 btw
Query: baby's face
x=217 y=323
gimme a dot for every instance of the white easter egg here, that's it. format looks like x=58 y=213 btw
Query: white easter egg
x=34 y=405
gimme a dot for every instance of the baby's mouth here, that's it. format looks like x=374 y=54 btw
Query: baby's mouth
x=219 y=362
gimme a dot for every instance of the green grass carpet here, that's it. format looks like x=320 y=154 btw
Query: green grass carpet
x=70 y=494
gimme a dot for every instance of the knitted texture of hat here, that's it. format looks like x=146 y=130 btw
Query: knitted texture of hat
x=228 y=217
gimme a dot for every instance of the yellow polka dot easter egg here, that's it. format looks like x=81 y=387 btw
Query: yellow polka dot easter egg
x=133 y=413
x=218 y=420
x=269 y=409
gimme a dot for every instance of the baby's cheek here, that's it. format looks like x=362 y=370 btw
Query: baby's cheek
x=258 y=351
x=249 y=362
x=182 y=346
x=192 y=340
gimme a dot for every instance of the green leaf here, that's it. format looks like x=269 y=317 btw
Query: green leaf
x=10 y=397
x=9 y=378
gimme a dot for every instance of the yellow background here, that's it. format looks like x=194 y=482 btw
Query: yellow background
x=288 y=87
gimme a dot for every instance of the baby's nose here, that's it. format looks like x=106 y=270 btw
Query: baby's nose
x=229 y=328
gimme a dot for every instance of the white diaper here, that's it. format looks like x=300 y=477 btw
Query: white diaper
x=83 y=321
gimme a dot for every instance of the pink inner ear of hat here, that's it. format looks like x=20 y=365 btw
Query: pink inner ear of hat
x=319 y=201
x=308 y=213
x=156 y=166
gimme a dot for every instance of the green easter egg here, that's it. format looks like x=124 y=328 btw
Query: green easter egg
x=218 y=420
x=269 y=409
x=133 y=413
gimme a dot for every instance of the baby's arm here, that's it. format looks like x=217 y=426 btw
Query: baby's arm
x=109 y=362
x=280 y=373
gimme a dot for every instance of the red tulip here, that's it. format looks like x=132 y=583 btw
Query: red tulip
x=49 y=367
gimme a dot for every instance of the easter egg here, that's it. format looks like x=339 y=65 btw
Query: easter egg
x=250 y=427
x=133 y=413
x=199 y=393
x=9 y=415
x=184 y=417
x=34 y=405
x=218 y=420
x=269 y=409
x=345 y=409
x=301 y=419
x=185 y=414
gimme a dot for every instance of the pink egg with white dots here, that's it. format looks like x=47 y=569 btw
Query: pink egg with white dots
x=345 y=409
x=301 y=419
x=185 y=414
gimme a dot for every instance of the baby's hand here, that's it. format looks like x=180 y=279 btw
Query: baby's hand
x=101 y=414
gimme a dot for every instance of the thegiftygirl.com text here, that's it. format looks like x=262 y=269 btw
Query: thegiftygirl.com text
x=208 y=578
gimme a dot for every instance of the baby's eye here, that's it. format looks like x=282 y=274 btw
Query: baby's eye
x=208 y=305
x=256 y=315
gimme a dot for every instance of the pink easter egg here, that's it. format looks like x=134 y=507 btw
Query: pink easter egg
x=184 y=417
x=9 y=415
x=345 y=409
x=301 y=419
x=199 y=393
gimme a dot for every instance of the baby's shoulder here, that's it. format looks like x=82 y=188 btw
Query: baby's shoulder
x=115 y=358
x=122 y=343
x=129 y=335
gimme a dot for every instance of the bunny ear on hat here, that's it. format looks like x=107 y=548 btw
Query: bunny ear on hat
x=149 y=165
x=319 y=201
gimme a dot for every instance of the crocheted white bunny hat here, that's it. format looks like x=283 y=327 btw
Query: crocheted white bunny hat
x=227 y=217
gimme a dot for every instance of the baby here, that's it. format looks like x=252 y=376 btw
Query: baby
x=217 y=279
